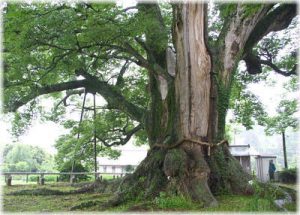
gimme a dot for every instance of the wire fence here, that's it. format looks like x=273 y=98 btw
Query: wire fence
x=52 y=177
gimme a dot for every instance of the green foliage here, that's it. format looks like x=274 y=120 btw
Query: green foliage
x=227 y=10
x=288 y=175
x=110 y=125
x=22 y=166
x=284 y=119
x=250 y=9
x=46 y=43
x=290 y=206
x=266 y=191
x=292 y=85
x=248 y=108
x=78 y=167
x=129 y=168
x=26 y=158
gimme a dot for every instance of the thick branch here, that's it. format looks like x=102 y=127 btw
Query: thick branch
x=112 y=96
x=36 y=91
x=276 y=20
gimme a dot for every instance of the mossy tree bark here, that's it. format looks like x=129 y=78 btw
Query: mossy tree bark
x=187 y=104
x=190 y=90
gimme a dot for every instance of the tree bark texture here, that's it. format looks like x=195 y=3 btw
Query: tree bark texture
x=185 y=110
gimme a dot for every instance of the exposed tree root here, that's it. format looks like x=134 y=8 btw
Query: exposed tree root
x=38 y=192
x=86 y=205
x=186 y=171
x=227 y=175
x=104 y=186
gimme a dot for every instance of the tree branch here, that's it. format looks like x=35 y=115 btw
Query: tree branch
x=112 y=96
x=36 y=91
x=122 y=141
x=279 y=71
x=276 y=20
x=68 y=94
x=254 y=66
x=120 y=79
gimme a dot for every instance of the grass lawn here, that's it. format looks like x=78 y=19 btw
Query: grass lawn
x=92 y=202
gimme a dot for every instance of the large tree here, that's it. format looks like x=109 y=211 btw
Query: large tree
x=179 y=95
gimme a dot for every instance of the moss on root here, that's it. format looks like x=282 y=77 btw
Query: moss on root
x=227 y=175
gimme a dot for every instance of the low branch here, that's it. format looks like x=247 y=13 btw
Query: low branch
x=112 y=96
x=36 y=91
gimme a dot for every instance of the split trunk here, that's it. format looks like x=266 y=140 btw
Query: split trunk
x=187 y=116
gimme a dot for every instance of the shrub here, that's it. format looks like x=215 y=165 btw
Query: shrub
x=32 y=178
x=67 y=167
x=50 y=178
x=288 y=175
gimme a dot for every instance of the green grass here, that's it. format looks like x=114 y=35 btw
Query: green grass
x=51 y=203
x=92 y=202
x=226 y=203
x=243 y=204
x=291 y=207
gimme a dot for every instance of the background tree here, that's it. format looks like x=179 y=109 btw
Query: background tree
x=282 y=121
x=179 y=95
x=26 y=158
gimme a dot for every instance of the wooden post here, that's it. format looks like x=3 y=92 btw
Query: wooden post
x=72 y=179
x=57 y=178
x=284 y=150
x=8 y=180
x=97 y=177
x=26 y=178
x=42 y=182
x=38 y=180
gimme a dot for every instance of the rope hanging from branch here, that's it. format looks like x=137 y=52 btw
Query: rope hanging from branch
x=78 y=134
x=209 y=145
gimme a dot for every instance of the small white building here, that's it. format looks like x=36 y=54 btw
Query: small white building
x=242 y=154
x=131 y=155
x=262 y=167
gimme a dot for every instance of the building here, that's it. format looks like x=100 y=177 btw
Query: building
x=130 y=158
x=262 y=167
x=242 y=154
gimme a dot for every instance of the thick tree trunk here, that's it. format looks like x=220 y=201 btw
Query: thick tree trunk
x=185 y=117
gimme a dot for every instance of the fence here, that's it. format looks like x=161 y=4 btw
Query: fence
x=41 y=176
